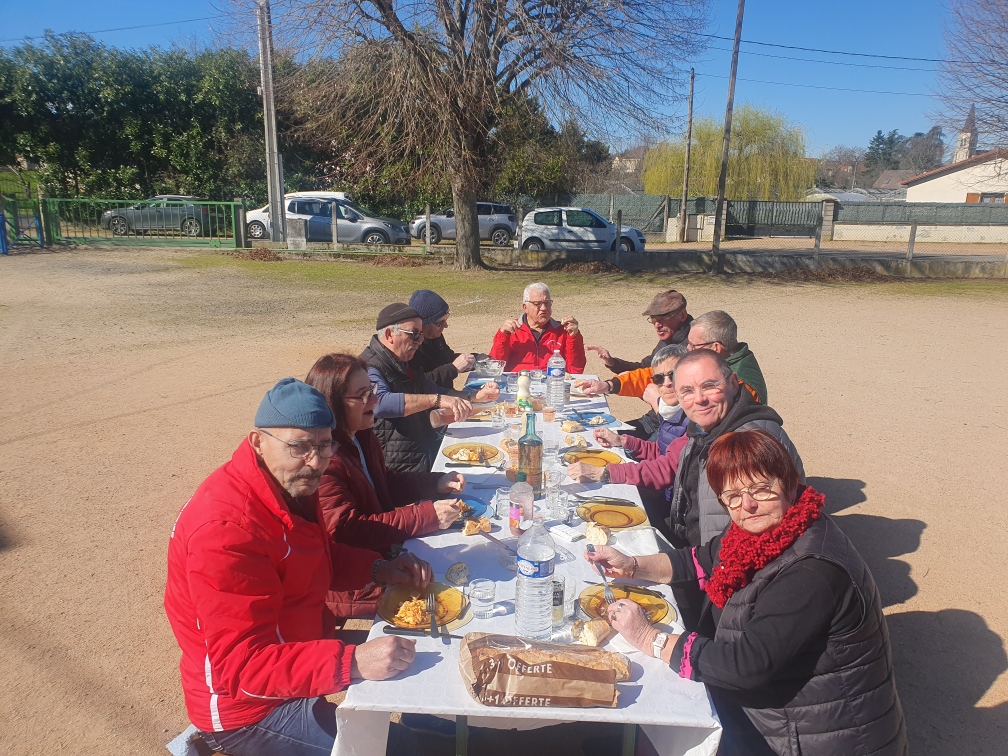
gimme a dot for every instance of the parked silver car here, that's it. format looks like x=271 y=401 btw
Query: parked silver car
x=355 y=224
x=497 y=223
x=576 y=228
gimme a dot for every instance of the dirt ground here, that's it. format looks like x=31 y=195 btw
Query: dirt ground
x=129 y=375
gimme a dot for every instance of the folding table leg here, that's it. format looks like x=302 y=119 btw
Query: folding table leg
x=461 y=736
x=629 y=736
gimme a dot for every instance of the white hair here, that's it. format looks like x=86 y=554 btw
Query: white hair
x=535 y=287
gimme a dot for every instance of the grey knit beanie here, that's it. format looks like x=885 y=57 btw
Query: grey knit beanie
x=294 y=404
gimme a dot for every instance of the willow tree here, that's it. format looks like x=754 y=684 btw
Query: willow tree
x=449 y=69
x=766 y=159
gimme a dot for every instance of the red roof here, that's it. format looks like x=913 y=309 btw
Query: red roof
x=983 y=157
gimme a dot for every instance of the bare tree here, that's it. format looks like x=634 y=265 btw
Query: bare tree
x=976 y=69
x=430 y=78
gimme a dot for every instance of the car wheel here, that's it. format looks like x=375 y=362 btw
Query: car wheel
x=500 y=237
x=191 y=227
x=375 y=237
x=435 y=234
x=119 y=226
x=625 y=245
x=533 y=245
x=256 y=230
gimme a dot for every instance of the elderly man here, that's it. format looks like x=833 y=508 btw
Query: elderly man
x=658 y=460
x=434 y=357
x=667 y=313
x=249 y=565
x=406 y=395
x=528 y=344
x=716 y=330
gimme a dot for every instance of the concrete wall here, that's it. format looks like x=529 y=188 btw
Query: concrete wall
x=900 y=232
x=991 y=176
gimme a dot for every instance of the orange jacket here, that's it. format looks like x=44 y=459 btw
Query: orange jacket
x=633 y=383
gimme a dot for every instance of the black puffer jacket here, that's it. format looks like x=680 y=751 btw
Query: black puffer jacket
x=410 y=443
x=838 y=696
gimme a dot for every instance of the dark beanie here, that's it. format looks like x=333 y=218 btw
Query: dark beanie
x=397 y=312
x=429 y=305
x=294 y=404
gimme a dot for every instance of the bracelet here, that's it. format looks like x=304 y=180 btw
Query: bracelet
x=633 y=570
x=437 y=401
x=606 y=478
x=374 y=571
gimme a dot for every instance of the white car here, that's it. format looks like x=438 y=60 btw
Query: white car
x=257 y=222
x=576 y=228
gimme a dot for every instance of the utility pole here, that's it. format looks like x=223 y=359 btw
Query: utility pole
x=685 y=175
x=274 y=179
x=717 y=261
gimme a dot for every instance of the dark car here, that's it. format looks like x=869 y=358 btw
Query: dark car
x=167 y=214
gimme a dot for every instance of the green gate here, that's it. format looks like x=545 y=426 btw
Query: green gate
x=148 y=222
x=759 y=218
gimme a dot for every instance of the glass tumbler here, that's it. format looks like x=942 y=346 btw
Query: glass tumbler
x=502 y=502
x=481 y=597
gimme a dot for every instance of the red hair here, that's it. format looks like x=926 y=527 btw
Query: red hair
x=330 y=375
x=752 y=454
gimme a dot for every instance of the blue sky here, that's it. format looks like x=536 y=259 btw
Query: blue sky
x=911 y=28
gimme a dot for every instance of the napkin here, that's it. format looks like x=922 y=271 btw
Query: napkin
x=635 y=541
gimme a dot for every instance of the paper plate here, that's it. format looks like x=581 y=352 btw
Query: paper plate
x=593 y=604
x=491 y=454
x=451 y=603
x=596 y=457
x=479 y=508
x=614 y=515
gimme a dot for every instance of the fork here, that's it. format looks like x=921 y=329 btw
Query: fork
x=606 y=590
x=432 y=611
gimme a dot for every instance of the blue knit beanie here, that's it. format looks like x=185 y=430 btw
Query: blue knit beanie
x=429 y=305
x=294 y=404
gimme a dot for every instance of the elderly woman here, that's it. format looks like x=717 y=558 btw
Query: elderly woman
x=363 y=503
x=799 y=661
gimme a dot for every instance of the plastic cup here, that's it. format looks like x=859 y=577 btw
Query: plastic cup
x=482 y=593
x=549 y=414
x=559 y=583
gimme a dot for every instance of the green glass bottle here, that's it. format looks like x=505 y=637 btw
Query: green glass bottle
x=530 y=450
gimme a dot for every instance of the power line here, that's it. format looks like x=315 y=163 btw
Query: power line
x=828 y=62
x=817 y=86
x=833 y=52
x=122 y=28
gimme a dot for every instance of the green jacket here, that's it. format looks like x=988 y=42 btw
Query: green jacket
x=743 y=362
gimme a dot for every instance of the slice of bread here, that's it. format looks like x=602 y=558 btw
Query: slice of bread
x=591 y=633
x=597 y=534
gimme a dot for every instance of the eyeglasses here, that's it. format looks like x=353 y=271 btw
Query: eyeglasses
x=652 y=319
x=658 y=379
x=366 y=396
x=691 y=346
x=540 y=305
x=688 y=393
x=441 y=324
x=304 y=449
x=416 y=336
x=757 y=492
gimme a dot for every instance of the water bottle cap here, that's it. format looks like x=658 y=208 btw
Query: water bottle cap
x=521 y=477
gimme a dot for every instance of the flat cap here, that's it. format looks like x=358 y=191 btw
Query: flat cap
x=294 y=404
x=397 y=312
x=666 y=303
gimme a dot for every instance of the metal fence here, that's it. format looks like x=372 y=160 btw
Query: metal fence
x=932 y=213
x=149 y=222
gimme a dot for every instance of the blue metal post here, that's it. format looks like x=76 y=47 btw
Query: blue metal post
x=3 y=232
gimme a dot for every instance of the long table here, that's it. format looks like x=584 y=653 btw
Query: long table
x=676 y=714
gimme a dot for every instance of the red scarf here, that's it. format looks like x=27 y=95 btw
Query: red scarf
x=742 y=554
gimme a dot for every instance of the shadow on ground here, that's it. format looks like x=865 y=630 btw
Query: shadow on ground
x=945 y=661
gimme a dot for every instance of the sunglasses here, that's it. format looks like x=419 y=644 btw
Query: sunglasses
x=414 y=335
x=658 y=379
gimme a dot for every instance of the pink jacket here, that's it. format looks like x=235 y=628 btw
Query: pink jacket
x=654 y=470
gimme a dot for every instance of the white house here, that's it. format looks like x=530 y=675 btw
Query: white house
x=981 y=178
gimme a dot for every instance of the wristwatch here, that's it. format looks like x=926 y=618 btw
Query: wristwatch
x=658 y=644
x=605 y=475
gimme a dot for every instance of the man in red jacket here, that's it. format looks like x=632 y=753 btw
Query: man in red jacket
x=249 y=566
x=528 y=344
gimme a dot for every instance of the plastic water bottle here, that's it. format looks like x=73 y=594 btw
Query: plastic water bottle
x=534 y=589
x=521 y=498
x=555 y=370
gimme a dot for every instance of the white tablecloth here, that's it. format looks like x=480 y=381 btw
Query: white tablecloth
x=676 y=714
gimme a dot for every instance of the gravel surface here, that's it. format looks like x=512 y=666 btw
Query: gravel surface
x=130 y=374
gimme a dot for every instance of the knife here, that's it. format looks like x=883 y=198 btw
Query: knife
x=502 y=545
x=393 y=630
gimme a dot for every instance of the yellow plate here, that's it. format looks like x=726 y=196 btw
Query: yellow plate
x=492 y=455
x=593 y=603
x=450 y=603
x=598 y=458
x=614 y=515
